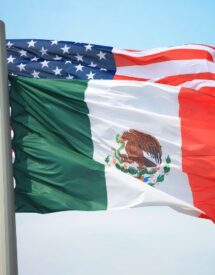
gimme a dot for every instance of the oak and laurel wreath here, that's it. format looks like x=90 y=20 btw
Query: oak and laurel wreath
x=139 y=172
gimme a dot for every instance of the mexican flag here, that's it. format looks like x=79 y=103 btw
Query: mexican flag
x=107 y=144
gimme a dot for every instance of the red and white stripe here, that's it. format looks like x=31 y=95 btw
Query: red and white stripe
x=174 y=66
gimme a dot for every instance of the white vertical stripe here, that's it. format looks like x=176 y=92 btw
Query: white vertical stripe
x=125 y=191
x=116 y=106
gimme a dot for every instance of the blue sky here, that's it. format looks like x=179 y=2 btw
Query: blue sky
x=136 y=24
x=148 y=241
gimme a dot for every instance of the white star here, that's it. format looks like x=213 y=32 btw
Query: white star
x=43 y=51
x=57 y=71
x=79 y=67
x=35 y=74
x=31 y=43
x=54 y=42
x=101 y=55
x=92 y=64
x=103 y=69
x=68 y=62
x=23 y=53
x=34 y=58
x=88 y=47
x=70 y=76
x=9 y=44
x=44 y=63
x=57 y=57
x=65 y=49
x=79 y=57
x=90 y=75
x=10 y=59
x=21 y=67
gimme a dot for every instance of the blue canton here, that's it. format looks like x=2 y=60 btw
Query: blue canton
x=59 y=59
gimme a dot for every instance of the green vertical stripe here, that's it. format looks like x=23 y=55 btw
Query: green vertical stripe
x=54 y=169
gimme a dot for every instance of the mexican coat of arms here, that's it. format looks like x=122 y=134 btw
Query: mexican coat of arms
x=140 y=155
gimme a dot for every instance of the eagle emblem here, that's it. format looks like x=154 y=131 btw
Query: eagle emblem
x=139 y=154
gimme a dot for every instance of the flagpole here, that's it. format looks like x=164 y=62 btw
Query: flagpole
x=8 y=250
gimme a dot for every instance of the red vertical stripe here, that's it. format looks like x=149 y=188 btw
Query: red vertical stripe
x=197 y=112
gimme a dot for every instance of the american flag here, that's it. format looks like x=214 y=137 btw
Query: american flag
x=190 y=65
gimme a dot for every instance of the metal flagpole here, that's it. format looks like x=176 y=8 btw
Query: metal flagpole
x=8 y=251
